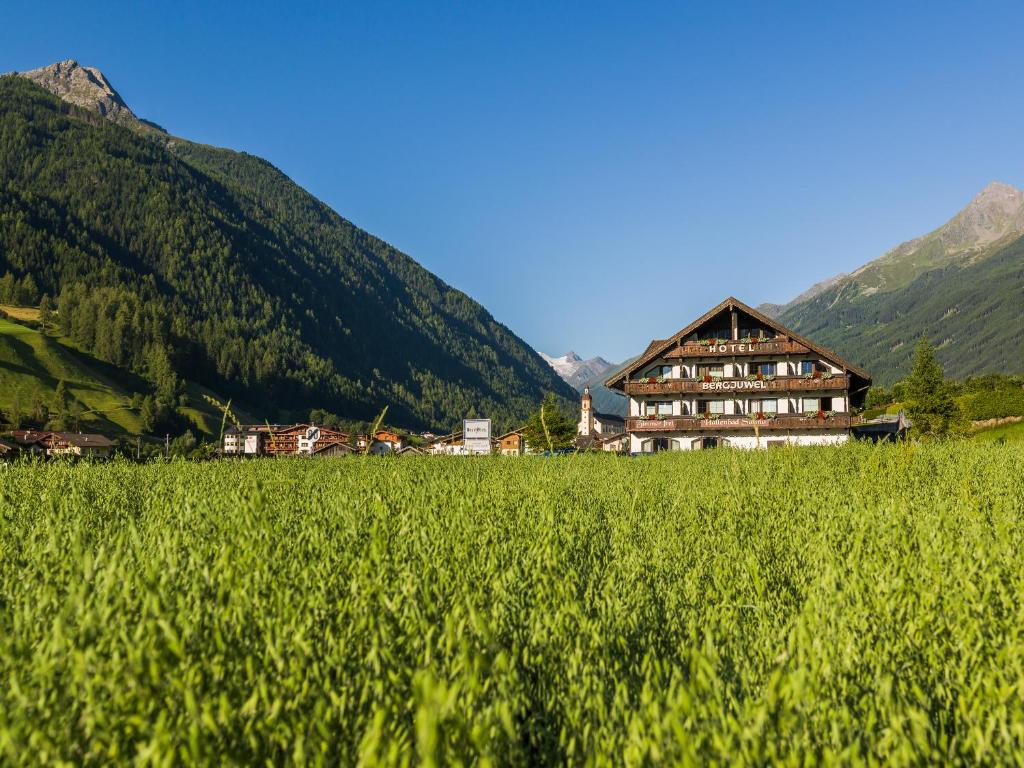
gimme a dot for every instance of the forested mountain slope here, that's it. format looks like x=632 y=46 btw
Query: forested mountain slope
x=974 y=314
x=962 y=285
x=156 y=247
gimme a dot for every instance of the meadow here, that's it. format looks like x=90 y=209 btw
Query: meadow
x=859 y=605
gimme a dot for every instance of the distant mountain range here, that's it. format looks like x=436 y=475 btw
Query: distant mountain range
x=961 y=285
x=155 y=248
x=576 y=371
x=590 y=373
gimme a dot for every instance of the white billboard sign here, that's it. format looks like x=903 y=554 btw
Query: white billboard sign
x=476 y=436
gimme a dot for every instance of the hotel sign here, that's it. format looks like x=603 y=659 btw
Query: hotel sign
x=734 y=384
x=739 y=348
x=476 y=436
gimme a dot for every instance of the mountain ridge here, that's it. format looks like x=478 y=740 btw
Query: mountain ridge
x=961 y=285
x=255 y=286
x=576 y=371
x=991 y=219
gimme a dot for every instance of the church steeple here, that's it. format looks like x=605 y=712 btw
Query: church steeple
x=586 y=425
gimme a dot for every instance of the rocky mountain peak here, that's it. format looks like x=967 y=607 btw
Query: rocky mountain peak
x=575 y=370
x=85 y=87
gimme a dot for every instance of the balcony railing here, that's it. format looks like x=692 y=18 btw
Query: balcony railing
x=731 y=422
x=731 y=348
x=705 y=386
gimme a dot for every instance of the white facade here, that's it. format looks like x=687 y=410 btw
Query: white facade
x=641 y=442
x=737 y=378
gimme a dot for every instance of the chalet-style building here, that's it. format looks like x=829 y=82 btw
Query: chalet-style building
x=282 y=440
x=78 y=444
x=739 y=378
x=512 y=443
x=74 y=444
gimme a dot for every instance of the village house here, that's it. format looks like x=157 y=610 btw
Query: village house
x=736 y=377
x=282 y=440
x=47 y=443
x=78 y=444
x=616 y=443
x=9 y=450
x=385 y=441
x=411 y=450
x=29 y=441
x=513 y=443
x=449 y=445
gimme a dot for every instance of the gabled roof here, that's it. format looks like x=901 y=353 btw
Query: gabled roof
x=519 y=431
x=609 y=418
x=29 y=436
x=658 y=348
x=334 y=447
x=80 y=440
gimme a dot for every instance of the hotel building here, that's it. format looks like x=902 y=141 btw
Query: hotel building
x=736 y=377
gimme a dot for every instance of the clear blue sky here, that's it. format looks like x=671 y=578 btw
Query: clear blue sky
x=567 y=164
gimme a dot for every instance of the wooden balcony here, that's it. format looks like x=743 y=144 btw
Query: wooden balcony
x=777 y=384
x=739 y=422
x=738 y=348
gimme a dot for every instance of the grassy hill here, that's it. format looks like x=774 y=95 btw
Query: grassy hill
x=32 y=363
x=1008 y=433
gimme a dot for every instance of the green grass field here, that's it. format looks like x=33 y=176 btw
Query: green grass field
x=32 y=363
x=800 y=606
x=1010 y=433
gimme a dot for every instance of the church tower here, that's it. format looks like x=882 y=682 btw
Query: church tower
x=586 y=425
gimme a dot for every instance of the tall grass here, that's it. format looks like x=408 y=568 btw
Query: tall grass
x=860 y=604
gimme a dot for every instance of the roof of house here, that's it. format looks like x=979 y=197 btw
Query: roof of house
x=519 y=431
x=657 y=348
x=411 y=449
x=28 y=436
x=85 y=440
x=609 y=418
x=334 y=447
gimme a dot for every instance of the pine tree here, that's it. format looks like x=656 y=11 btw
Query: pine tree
x=932 y=408
x=148 y=413
x=549 y=428
x=45 y=311
x=60 y=399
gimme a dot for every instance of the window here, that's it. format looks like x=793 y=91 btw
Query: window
x=658 y=408
x=764 y=406
x=714 y=371
x=659 y=370
x=810 y=366
x=711 y=406
x=766 y=369
x=810 y=404
x=755 y=333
